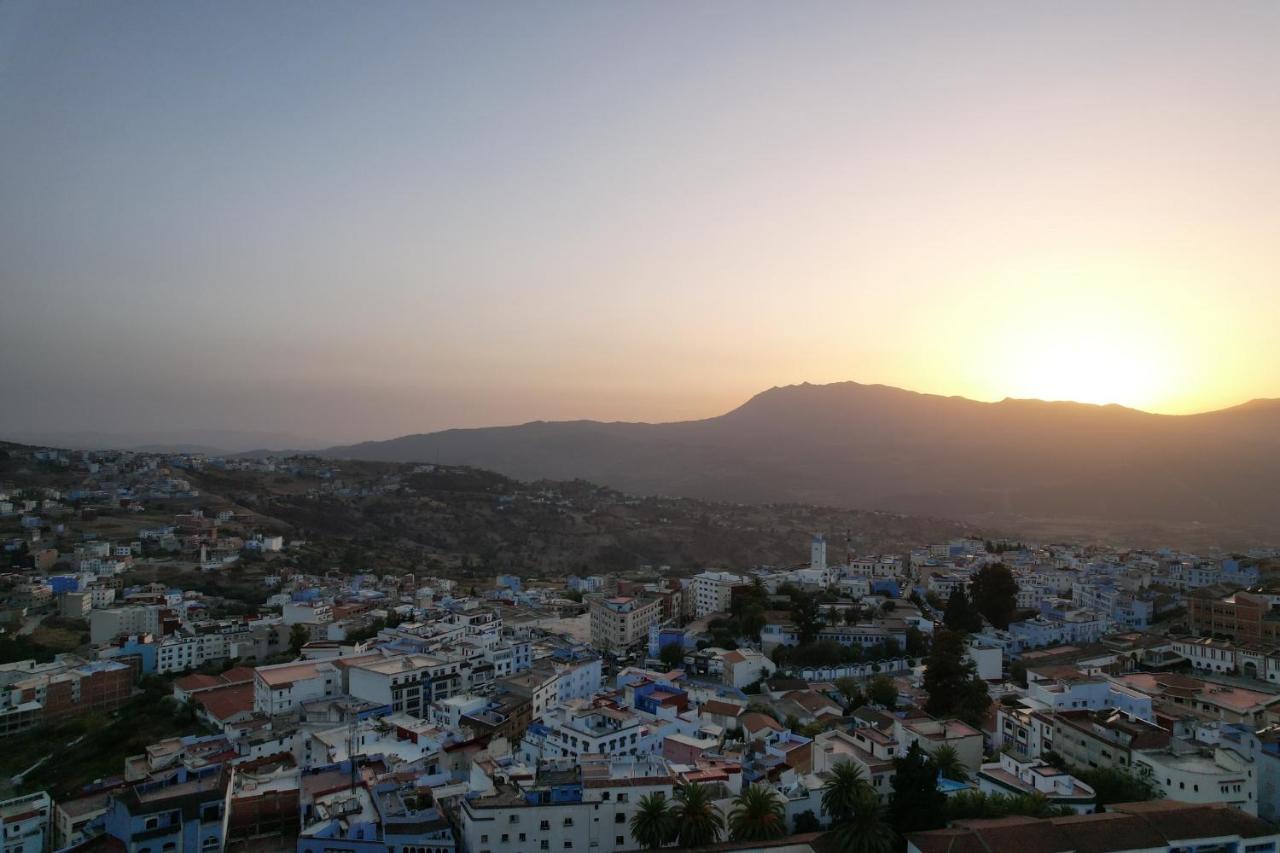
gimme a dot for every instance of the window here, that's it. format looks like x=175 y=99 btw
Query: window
x=545 y=845
x=484 y=839
x=620 y=818
x=618 y=840
x=545 y=825
x=152 y=823
x=568 y=821
x=515 y=818
x=622 y=798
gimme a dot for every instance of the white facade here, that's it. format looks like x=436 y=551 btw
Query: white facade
x=280 y=689
x=599 y=823
x=1201 y=776
x=178 y=654
x=299 y=612
x=713 y=591
x=622 y=622
x=106 y=625
x=25 y=823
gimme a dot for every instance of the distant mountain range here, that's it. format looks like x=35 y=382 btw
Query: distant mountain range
x=213 y=442
x=876 y=447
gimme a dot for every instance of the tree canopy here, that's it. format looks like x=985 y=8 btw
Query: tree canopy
x=995 y=594
x=951 y=681
x=960 y=614
x=916 y=804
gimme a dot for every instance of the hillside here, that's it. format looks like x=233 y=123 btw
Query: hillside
x=468 y=523
x=875 y=447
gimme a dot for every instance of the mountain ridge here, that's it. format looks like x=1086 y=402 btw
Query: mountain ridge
x=878 y=447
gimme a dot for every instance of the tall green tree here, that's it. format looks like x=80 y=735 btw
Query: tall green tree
x=758 y=814
x=672 y=655
x=960 y=614
x=995 y=594
x=917 y=642
x=806 y=615
x=699 y=823
x=951 y=681
x=865 y=830
x=298 y=637
x=916 y=804
x=653 y=825
x=949 y=764
x=840 y=793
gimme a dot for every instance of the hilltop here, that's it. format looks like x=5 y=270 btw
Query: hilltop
x=1030 y=464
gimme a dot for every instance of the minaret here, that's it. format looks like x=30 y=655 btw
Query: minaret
x=818 y=553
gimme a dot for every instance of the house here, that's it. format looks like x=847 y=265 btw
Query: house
x=1013 y=776
x=866 y=748
x=933 y=734
x=743 y=667
x=26 y=823
x=185 y=812
x=756 y=726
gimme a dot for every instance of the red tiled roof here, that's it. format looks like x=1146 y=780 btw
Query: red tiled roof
x=238 y=675
x=1128 y=826
x=755 y=721
x=225 y=702
x=197 y=681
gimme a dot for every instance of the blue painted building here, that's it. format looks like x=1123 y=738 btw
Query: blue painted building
x=183 y=812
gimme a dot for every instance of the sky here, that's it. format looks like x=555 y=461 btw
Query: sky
x=355 y=221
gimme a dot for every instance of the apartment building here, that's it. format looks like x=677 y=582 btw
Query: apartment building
x=1106 y=738
x=407 y=683
x=32 y=693
x=282 y=688
x=26 y=823
x=106 y=625
x=1193 y=774
x=1245 y=617
x=562 y=806
x=621 y=622
x=713 y=591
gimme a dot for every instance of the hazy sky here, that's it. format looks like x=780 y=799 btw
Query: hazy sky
x=357 y=220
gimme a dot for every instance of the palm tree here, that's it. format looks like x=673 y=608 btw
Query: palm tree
x=700 y=822
x=865 y=830
x=839 y=795
x=653 y=824
x=948 y=762
x=758 y=815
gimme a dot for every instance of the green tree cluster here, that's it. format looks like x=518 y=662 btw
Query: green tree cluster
x=969 y=805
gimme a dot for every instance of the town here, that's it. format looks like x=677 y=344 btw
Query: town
x=186 y=669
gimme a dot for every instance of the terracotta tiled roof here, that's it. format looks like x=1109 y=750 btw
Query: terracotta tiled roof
x=197 y=681
x=223 y=703
x=755 y=721
x=1128 y=826
x=723 y=709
